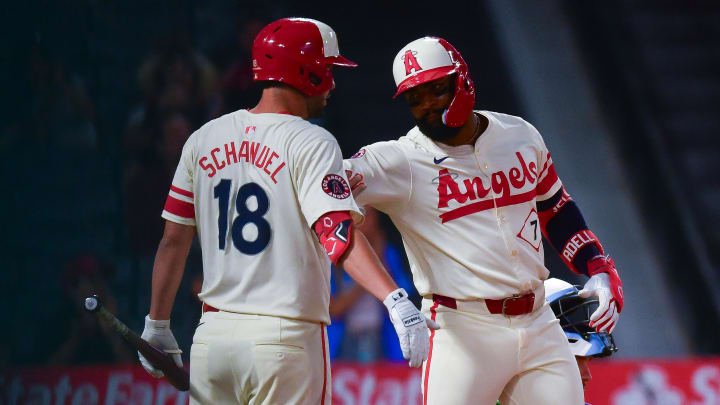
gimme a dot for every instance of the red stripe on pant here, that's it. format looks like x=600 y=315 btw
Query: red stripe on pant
x=322 y=334
x=427 y=365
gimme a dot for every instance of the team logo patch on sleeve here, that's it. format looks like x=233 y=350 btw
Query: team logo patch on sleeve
x=335 y=186
x=358 y=154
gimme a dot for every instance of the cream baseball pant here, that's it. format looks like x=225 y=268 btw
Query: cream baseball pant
x=254 y=359
x=477 y=357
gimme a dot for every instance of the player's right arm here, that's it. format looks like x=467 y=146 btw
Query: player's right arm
x=167 y=273
x=380 y=176
x=170 y=259
x=169 y=267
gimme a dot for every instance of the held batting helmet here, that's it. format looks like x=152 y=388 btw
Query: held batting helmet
x=574 y=315
x=431 y=58
x=299 y=53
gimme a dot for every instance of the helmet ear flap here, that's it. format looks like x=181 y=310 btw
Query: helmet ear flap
x=462 y=104
x=314 y=78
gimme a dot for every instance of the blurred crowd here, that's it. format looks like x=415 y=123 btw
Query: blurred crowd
x=178 y=88
x=181 y=90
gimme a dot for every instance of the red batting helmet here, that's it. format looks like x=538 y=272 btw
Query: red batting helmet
x=431 y=58
x=297 y=52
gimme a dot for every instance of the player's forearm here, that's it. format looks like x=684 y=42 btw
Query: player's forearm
x=563 y=225
x=363 y=265
x=169 y=268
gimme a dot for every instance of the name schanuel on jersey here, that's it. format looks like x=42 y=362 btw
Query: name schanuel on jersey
x=509 y=187
x=246 y=152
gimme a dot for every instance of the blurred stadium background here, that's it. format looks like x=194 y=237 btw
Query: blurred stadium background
x=99 y=97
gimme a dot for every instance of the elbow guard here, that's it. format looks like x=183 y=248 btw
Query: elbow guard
x=333 y=232
x=563 y=225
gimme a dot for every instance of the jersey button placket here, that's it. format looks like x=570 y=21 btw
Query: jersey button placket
x=507 y=234
x=502 y=222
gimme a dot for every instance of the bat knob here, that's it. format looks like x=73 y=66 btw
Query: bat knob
x=92 y=304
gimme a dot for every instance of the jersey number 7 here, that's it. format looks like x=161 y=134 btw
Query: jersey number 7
x=245 y=216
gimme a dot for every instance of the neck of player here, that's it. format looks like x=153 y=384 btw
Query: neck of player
x=471 y=130
x=282 y=100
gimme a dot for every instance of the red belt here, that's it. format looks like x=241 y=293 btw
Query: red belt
x=515 y=305
x=208 y=308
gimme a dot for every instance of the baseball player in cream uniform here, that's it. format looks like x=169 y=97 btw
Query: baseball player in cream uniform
x=266 y=191
x=472 y=193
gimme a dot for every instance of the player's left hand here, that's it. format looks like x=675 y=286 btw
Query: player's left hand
x=411 y=327
x=605 y=284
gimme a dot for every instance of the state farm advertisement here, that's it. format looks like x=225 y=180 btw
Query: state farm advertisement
x=382 y=383
x=637 y=382
x=656 y=382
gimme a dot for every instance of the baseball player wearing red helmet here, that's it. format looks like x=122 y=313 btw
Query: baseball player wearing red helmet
x=472 y=193
x=266 y=191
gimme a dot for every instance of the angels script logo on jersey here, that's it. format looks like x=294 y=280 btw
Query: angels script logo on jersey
x=501 y=184
x=336 y=187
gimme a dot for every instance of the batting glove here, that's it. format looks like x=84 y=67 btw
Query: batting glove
x=605 y=284
x=410 y=326
x=158 y=334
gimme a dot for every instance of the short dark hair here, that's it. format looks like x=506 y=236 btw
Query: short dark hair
x=270 y=84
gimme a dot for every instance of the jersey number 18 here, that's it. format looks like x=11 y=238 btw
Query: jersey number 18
x=245 y=216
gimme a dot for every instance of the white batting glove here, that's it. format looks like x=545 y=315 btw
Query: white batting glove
x=410 y=326
x=605 y=284
x=606 y=315
x=158 y=334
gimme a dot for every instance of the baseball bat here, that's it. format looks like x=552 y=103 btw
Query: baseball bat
x=175 y=375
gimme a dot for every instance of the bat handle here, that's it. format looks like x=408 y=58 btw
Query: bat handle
x=114 y=323
x=92 y=303
x=177 y=376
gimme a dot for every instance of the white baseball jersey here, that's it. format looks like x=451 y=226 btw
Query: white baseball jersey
x=467 y=214
x=254 y=184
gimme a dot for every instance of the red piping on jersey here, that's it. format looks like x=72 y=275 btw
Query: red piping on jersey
x=427 y=365
x=546 y=184
x=181 y=191
x=545 y=166
x=179 y=207
x=322 y=334
x=486 y=205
